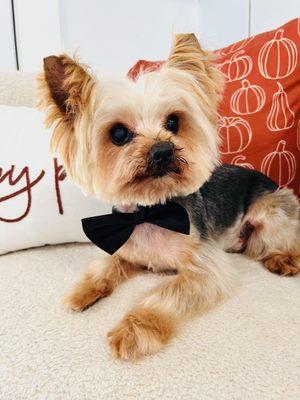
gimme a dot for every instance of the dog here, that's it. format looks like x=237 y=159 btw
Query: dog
x=144 y=143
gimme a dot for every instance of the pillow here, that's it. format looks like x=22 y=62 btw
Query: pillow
x=259 y=116
x=38 y=205
x=17 y=88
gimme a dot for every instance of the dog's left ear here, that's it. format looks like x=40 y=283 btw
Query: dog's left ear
x=188 y=55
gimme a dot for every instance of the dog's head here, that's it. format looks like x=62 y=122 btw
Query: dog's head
x=136 y=142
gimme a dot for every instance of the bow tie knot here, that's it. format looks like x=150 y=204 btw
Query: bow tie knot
x=139 y=216
x=110 y=232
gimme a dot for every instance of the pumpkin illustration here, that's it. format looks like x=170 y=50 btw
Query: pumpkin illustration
x=278 y=57
x=235 y=133
x=240 y=162
x=280 y=165
x=298 y=135
x=248 y=99
x=237 y=67
x=280 y=116
x=237 y=46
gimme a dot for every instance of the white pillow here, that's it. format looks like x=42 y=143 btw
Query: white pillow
x=36 y=207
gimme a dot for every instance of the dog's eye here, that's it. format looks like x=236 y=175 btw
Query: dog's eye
x=172 y=123
x=120 y=134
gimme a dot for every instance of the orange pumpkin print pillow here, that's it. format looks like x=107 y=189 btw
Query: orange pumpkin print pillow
x=259 y=116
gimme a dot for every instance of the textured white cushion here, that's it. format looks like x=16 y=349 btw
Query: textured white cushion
x=17 y=89
x=48 y=212
x=246 y=349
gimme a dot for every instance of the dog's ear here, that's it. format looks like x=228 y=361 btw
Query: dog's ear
x=66 y=85
x=189 y=56
x=64 y=92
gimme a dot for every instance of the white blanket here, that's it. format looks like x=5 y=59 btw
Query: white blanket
x=248 y=348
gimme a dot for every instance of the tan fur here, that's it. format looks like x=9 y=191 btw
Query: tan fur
x=276 y=238
x=188 y=55
x=82 y=109
x=148 y=243
x=283 y=263
x=101 y=278
x=229 y=240
x=142 y=332
x=115 y=174
x=69 y=142
x=208 y=279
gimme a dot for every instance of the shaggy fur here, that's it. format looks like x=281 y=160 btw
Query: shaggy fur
x=230 y=208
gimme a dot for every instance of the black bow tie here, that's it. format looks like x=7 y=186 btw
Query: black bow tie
x=110 y=232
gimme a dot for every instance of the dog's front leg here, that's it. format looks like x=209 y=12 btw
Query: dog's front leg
x=196 y=289
x=101 y=278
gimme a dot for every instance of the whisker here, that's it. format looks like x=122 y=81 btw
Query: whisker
x=181 y=160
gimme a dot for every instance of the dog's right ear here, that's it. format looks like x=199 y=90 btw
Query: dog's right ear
x=187 y=55
x=64 y=92
x=65 y=86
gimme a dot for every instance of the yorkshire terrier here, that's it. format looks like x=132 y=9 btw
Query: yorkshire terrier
x=147 y=142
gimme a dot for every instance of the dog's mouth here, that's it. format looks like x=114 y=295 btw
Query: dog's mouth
x=158 y=173
x=154 y=172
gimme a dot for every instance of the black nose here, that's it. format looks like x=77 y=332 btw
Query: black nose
x=162 y=154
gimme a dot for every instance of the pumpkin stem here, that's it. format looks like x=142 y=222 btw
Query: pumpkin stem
x=278 y=34
x=236 y=54
x=280 y=87
x=226 y=121
x=280 y=146
x=245 y=83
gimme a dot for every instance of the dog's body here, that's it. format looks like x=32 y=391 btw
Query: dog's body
x=225 y=198
x=143 y=143
x=220 y=205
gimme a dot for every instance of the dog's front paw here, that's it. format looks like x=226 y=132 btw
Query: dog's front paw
x=140 y=333
x=74 y=302
x=86 y=293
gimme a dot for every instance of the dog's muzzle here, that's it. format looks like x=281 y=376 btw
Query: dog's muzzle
x=162 y=155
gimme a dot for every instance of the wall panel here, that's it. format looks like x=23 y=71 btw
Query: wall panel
x=37 y=31
x=7 y=45
x=112 y=35
x=269 y=14
x=223 y=22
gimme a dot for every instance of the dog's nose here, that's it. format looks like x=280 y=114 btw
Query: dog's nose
x=162 y=154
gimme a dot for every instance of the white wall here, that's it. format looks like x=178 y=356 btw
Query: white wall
x=268 y=14
x=113 y=34
x=37 y=31
x=7 y=45
x=223 y=22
